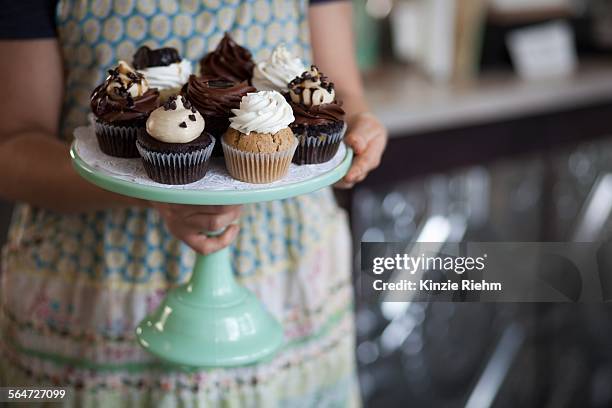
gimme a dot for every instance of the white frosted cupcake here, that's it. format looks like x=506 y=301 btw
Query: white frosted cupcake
x=164 y=69
x=259 y=145
x=275 y=73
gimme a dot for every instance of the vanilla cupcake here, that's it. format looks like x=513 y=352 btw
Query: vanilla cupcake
x=319 y=117
x=275 y=73
x=175 y=148
x=163 y=68
x=259 y=145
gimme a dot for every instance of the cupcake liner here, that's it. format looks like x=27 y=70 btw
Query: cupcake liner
x=257 y=168
x=316 y=149
x=176 y=168
x=117 y=141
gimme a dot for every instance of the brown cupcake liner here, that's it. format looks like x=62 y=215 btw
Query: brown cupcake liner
x=317 y=149
x=176 y=168
x=116 y=140
x=257 y=168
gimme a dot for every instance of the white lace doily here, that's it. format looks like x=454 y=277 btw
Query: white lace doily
x=217 y=178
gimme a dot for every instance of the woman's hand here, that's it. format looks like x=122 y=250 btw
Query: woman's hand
x=190 y=223
x=368 y=138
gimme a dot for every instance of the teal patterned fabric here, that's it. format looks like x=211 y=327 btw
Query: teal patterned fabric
x=75 y=286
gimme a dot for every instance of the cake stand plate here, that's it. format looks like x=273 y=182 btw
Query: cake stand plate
x=210 y=321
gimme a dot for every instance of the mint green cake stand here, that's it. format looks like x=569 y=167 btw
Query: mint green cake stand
x=211 y=321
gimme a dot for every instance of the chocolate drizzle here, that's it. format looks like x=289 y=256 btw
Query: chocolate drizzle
x=228 y=61
x=146 y=57
x=301 y=87
x=122 y=107
x=296 y=83
x=121 y=91
x=322 y=114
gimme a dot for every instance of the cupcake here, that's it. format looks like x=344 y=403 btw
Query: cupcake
x=163 y=69
x=276 y=72
x=214 y=98
x=121 y=105
x=319 y=118
x=259 y=144
x=175 y=148
x=228 y=61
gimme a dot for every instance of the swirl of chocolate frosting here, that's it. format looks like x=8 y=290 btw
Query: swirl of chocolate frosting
x=317 y=114
x=213 y=96
x=228 y=61
x=124 y=96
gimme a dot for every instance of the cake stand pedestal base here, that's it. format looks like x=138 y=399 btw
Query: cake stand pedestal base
x=211 y=321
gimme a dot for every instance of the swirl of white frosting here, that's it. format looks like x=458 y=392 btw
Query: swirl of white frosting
x=134 y=83
x=175 y=125
x=277 y=71
x=263 y=112
x=169 y=76
x=310 y=90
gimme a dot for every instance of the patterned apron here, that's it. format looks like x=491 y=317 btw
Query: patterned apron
x=75 y=286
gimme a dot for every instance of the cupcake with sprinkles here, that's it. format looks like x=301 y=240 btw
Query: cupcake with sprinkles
x=175 y=148
x=163 y=68
x=121 y=106
x=319 y=118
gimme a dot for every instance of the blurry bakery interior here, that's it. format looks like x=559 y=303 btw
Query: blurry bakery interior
x=500 y=121
x=500 y=117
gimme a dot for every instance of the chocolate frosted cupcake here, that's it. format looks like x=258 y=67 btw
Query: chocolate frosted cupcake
x=275 y=73
x=228 y=61
x=259 y=145
x=163 y=68
x=214 y=98
x=319 y=118
x=121 y=105
x=175 y=148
